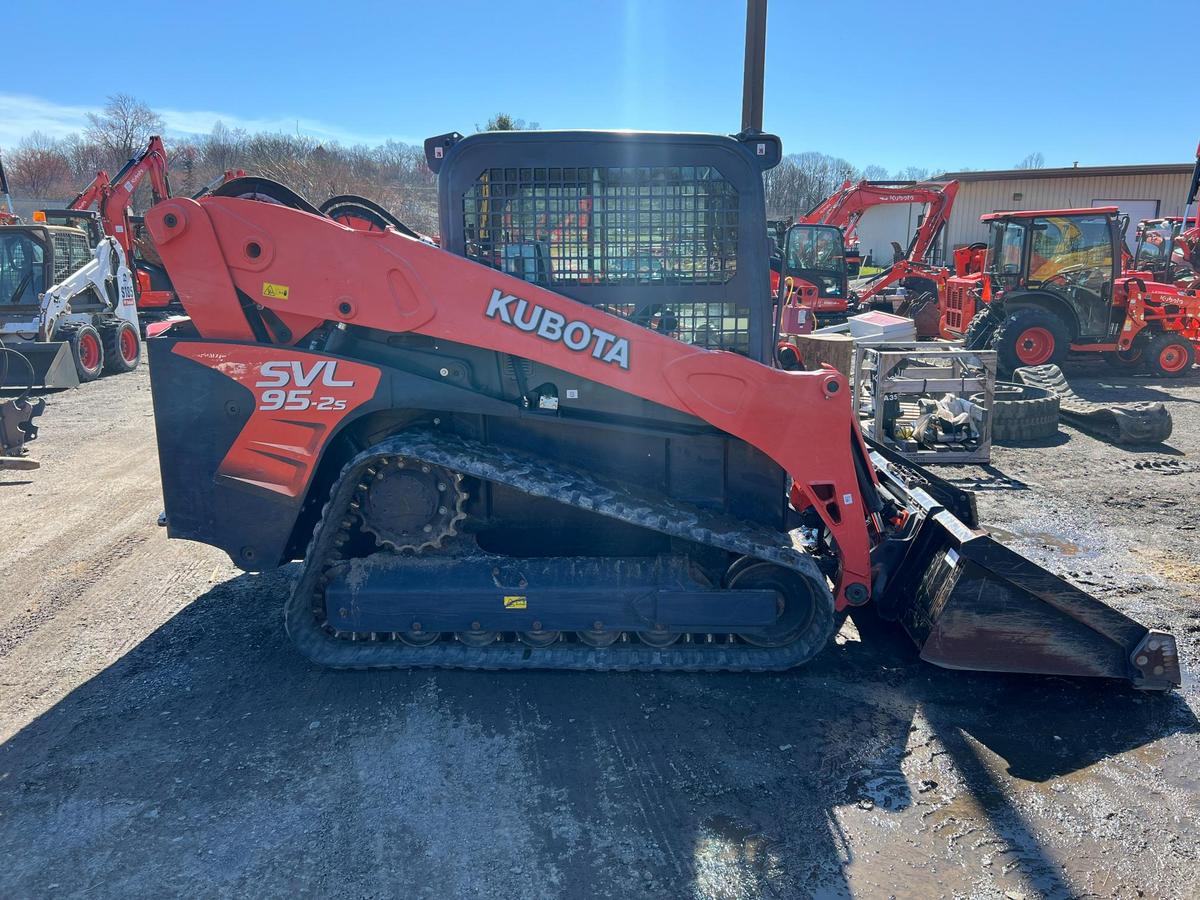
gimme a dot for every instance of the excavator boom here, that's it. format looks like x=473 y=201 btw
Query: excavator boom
x=113 y=197
x=846 y=206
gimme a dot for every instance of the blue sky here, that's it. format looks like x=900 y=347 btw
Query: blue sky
x=1000 y=81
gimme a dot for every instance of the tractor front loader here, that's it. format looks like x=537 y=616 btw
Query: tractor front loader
x=563 y=441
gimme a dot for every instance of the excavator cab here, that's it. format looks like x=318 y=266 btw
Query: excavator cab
x=815 y=257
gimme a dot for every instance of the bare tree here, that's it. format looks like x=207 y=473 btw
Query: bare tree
x=875 y=173
x=504 y=122
x=1032 y=161
x=912 y=173
x=39 y=168
x=123 y=127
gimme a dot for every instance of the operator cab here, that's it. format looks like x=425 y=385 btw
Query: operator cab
x=34 y=258
x=1160 y=253
x=667 y=230
x=1063 y=260
x=816 y=254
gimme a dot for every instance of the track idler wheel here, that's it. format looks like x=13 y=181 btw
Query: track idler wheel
x=539 y=638
x=598 y=637
x=478 y=638
x=419 y=638
x=803 y=615
x=659 y=637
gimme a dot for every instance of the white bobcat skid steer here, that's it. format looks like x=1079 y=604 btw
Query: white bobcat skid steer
x=67 y=301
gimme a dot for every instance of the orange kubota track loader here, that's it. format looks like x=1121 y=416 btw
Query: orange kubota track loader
x=562 y=441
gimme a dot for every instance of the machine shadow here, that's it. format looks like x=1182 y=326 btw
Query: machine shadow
x=212 y=733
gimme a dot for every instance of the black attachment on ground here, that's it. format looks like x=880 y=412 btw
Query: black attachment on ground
x=1121 y=423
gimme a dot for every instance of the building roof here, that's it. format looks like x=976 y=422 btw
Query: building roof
x=1069 y=172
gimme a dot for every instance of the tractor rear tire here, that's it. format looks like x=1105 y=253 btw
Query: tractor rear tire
x=122 y=348
x=1031 y=336
x=1169 y=355
x=87 y=349
x=1021 y=413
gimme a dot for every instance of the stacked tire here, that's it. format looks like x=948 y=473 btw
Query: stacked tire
x=1021 y=413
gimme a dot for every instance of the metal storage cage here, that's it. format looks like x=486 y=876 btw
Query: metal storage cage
x=897 y=387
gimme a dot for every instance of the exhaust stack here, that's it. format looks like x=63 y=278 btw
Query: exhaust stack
x=752 y=77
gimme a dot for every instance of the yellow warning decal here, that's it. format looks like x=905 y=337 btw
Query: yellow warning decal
x=514 y=603
x=275 y=291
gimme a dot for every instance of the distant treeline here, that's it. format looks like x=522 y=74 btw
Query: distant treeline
x=393 y=174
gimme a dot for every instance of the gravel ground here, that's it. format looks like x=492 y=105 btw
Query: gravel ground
x=160 y=736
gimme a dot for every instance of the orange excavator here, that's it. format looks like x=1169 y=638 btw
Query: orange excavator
x=113 y=199
x=911 y=280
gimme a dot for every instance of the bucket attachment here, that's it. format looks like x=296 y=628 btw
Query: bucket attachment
x=969 y=602
x=52 y=363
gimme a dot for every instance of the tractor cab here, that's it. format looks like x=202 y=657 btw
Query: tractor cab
x=1160 y=253
x=1049 y=276
x=1070 y=257
x=814 y=274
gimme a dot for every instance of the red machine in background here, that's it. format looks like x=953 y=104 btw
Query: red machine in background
x=113 y=199
x=1049 y=282
x=1169 y=247
x=911 y=271
x=1053 y=281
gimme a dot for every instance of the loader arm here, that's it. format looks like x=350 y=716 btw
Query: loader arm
x=308 y=270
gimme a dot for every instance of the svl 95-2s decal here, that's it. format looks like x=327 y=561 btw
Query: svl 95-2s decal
x=280 y=375
x=299 y=400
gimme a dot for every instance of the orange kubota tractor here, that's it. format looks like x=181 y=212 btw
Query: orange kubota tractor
x=1049 y=282
x=519 y=450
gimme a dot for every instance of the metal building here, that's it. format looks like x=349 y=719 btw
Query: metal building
x=1141 y=192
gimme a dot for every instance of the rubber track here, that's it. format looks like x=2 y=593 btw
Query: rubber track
x=1121 y=423
x=541 y=478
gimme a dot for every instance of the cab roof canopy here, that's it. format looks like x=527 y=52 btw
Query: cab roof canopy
x=1041 y=213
